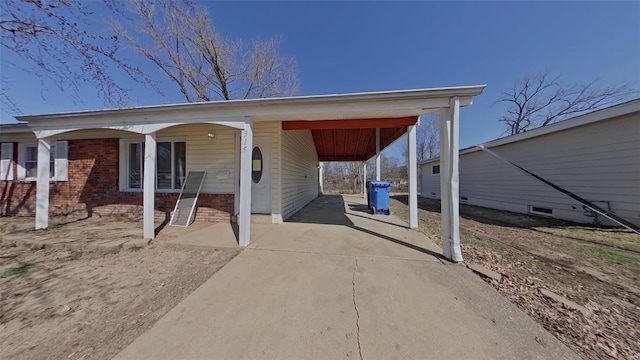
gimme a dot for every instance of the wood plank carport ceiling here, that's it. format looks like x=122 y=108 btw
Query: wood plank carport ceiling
x=353 y=139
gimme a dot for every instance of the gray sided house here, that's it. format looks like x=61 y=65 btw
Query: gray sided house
x=595 y=156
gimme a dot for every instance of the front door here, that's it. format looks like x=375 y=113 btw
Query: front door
x=261 y=174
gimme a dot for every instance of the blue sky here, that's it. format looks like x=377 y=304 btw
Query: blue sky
x=346 y=47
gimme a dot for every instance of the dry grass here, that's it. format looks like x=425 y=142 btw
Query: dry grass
x=67 y=304
x=598 y=268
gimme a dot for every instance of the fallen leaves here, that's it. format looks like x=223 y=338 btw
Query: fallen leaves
x=604 y=332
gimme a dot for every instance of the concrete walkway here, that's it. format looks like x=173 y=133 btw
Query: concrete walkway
x=336 y=283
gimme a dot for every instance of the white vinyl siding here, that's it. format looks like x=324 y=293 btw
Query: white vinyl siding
x=216 y=157
x=599 y=162
x=274 y=128
x=299 y=171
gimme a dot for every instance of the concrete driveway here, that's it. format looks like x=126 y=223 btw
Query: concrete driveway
x=337 y=283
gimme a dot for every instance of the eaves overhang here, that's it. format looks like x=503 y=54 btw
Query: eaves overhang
x=311 y=108
x=14 y=128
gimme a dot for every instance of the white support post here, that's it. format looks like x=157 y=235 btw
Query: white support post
x=413 y=178
x=449 y=193
x=456 y=252
x=320 y=178
x=244 y=218
x=364 y=180
x=378 y=154
x=445 y=185
x=149 y=186
x=42 y=185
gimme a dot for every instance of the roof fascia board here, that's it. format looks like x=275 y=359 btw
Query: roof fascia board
x=14 y=128
x=139 y=124
x=256 y=107
x=199 y=115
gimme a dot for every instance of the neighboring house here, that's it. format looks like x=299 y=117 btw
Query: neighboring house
x=595 y=156
x=261 y=156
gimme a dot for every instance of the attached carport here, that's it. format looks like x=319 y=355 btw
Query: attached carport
x=360 y=140
x=349 y=139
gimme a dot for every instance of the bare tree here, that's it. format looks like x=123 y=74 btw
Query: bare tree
x=54 y=40
x=347 y=176
x=354 y=170
x=179 y=38
x=543 y=99
x=428 y=137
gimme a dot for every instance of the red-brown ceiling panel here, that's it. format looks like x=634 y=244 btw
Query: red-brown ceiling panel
x=349 y=124
x=340 y=140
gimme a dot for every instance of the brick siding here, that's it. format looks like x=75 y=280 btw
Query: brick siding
x=93 y=188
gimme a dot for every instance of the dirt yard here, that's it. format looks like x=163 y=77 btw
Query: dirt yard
x=597 y=268
x=68 y=304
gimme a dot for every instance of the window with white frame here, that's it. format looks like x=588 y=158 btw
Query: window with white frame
x=539 y=210
x=171 y=161
x=28 y=161
x=6 y=161
x=31 y=161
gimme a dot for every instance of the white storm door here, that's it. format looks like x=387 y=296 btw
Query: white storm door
x=261 y=174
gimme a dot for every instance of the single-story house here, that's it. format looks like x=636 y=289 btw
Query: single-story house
x=595 y=156
x=261 y=156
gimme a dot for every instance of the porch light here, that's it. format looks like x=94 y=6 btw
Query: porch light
x=211 y=136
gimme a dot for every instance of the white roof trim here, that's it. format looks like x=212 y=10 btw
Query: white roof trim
x=14 y=128
x=462 y=91
x=626 y=108
x=323 y=107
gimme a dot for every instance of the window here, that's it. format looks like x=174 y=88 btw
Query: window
x=435 y=169
x=31 y=161
x=6 y=162
x=256 y=167
x=136 y=165
x=540 y=210
x=28 y=161
x=171 y=165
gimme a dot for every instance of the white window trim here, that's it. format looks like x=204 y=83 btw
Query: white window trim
x=124 y=163
x=532 y=211
x=58 y=175
x=6 y=162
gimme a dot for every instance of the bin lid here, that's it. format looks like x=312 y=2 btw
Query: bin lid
x=380 y=183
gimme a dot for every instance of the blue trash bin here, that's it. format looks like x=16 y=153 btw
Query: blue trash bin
x=379 y=199
x=368 y=190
